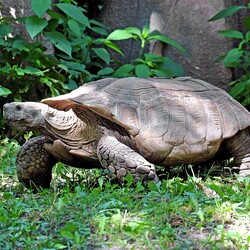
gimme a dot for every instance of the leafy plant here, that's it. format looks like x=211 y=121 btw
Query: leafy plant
x=28 y=71
x=89 y=54
x=147 y=65
x=8 y=149
x=169 y=214
x=238 y=57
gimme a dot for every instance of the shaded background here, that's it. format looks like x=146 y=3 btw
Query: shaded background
x=185 y=21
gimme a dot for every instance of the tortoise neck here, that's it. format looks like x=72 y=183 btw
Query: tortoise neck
x=63 y=125
x=98 y=125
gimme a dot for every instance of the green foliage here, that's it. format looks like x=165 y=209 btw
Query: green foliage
x=80 y=53
x=94 y=214
x=28 y=72
x=8 y=149
x=238 y=57
x=147 y=65
x=227 y=12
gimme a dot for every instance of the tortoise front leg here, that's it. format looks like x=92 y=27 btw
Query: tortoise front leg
x=120 y=160
x=239 y=148
x=34 y=163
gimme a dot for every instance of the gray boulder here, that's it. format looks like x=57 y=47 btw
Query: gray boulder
x=185 y=21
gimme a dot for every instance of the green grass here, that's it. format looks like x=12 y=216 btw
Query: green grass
x=84 y=210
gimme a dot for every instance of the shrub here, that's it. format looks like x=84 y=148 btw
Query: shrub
x=238 y=57
x=147 y=65
x=81 y=53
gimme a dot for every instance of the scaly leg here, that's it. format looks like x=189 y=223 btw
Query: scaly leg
x=34 y=163
x=239 y=148
x=120 y=160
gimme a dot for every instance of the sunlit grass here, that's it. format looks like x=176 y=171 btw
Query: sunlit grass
x=85 y=210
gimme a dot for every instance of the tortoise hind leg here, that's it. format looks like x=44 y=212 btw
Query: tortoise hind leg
x=239 y=148
x=34 y=164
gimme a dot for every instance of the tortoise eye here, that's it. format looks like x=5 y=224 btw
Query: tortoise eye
x=18 y=107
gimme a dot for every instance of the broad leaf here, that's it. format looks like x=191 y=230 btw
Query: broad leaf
x=237 y=89
x=4 y=91
x=232 y=56
x=134 y=30
x=159 y=73
x=153 y=58
x=103 y=54
x=46 y=80
x=54 y=14
x=168 y=41
x=71 y=85
x=219 y=59
x=140 y=60
x=105 y=71
x=72 y=65
x=74 y=27
x=5 y=29
x=60 y=41
x=171 y=68
x=112 y=46
x=120 y=35
x=98 y=27
x=145 y=31
x=21 y=45
x=96 y=23
x=34 y=25
x=231 y=34
x=40 y=6
x=100 y=31
x=124 y=70
x=74 y=12
x=227 y=12
x=142 y=70
x=28 y=70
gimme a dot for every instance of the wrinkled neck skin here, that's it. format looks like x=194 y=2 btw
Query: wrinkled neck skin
x=97 y=126
x=63 y=125
x=81 y=128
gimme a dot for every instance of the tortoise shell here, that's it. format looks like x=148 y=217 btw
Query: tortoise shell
x=172 y=121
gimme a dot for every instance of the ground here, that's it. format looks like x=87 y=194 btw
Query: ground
x=85 y=210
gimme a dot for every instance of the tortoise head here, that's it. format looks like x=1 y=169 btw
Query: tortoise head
x=26 y=115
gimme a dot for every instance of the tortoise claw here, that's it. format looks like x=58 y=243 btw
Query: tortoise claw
x=120 y=160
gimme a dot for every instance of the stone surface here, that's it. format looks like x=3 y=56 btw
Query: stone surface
x=185 y=21
x=192 y=29
x=15 y=9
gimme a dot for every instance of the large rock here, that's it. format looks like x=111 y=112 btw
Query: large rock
x=185 y=21
x=16 y=9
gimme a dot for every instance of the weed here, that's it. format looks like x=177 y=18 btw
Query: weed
x=238 y=57
x=173 y=214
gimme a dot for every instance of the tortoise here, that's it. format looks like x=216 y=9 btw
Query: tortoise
x=129 y=125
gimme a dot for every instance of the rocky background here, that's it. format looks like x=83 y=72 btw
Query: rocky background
x=185 y=21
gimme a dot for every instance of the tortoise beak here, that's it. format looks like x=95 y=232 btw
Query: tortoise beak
x=6 y=111
x=10 y=117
